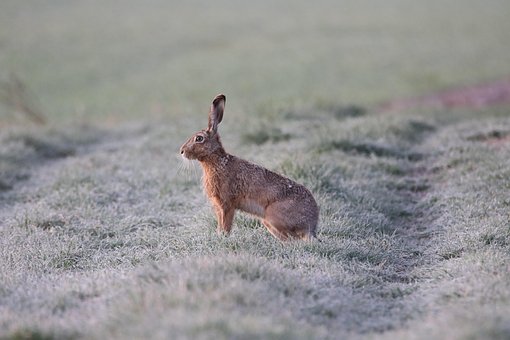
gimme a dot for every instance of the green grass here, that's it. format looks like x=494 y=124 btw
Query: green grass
x=104 y=235
x=87 y=60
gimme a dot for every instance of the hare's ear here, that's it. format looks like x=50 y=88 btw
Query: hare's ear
x=216 y=112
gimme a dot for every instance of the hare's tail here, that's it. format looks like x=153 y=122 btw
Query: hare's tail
x=316 y=238
x=312 y=236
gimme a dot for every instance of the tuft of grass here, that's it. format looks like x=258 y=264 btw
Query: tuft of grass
x=264 y=135
x=47 y=149
x=342 y=112
x=368 y=149
x=31 y=335
x=488 y=136
x=15 y=95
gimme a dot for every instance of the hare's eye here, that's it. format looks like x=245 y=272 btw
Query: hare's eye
x=199 y=139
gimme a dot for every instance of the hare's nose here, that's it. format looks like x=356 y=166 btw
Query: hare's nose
x=182 y=151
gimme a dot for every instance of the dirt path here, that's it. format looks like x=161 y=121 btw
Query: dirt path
x=473 y=96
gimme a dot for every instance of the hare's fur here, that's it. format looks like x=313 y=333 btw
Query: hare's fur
x=286 y=208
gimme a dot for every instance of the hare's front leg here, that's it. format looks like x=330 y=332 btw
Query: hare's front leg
x=225 y=219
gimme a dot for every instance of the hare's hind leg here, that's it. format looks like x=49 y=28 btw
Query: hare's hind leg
x=275 y=231
x=288 y=220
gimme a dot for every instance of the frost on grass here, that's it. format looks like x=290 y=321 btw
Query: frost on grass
x=117 y=241
x=24 y=150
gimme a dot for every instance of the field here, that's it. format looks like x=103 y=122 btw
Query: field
x=105 y=233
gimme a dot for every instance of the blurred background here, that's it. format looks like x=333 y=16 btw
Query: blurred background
x=106 y=234
x=110 y=61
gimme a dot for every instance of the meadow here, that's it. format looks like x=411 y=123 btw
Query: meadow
x=105 y=234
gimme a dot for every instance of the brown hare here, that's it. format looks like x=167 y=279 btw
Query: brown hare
x=286 y=208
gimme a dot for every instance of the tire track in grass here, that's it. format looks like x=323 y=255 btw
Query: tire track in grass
x=410 y=216
x=30 y=159
x=375 y=227
x=465 y=282
x=474 y=96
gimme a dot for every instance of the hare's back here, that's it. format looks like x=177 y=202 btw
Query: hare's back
x=262 y=185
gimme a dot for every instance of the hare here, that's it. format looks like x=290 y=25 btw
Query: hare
x=287 y=209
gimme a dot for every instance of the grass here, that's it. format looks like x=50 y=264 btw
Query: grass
x=407 y=243
x=103 y=236
x=81 y=62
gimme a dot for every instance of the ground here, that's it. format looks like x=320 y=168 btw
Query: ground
x=105 y=232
